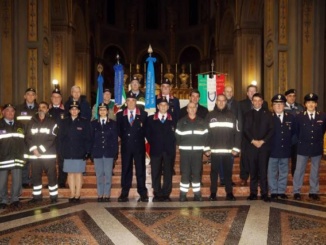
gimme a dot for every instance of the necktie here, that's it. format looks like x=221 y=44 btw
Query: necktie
x=30 y=107
x=103 y=122
x=279 y=117
x=10 y=123
x=131 y=118
x=311 y=117
x=162 y=119
x=291 y=106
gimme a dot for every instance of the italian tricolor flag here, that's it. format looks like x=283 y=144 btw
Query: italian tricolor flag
x=209 y=87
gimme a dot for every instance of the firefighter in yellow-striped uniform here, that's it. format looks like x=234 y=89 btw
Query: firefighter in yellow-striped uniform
x=41 y=141
x=223 y=141
x=191 y=135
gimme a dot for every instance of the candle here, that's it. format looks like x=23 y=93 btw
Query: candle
x=176 y=68
x=190 y=68
x=161 y=67
x=130 y=67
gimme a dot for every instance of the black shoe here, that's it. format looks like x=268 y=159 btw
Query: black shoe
x=16 y=204
x=100 y=199
x=198 y=198
x=33 y=201
x=252 y=197
x=62 y=185
x=106 y=199
x=143 y=198
x=77 y=200
x=123 y=198
x=26 y=185
x=157 y=199
x=3 y=206
x=283 y=196
x=274 y=196
x=265 y=198
x=230 y=197
x=212 y=197
x=166 y=199
x=314 y=197
x=297 y=196
x=183 y=198
x=54 y=200
x=71 y=199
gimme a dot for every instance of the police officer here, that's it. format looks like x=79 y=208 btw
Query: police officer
x=311 y=126
x=12 y=147
x=131 y=124
x=191 y=135
x=278 y=164
x=223 y=140
x=258 y=130
x=57 y=112
x=160 y=135
x=294 y=108
x=24 y=113
x=41 y=141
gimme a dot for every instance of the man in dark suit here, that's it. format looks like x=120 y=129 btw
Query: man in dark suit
x=245 y=106
x=194 y=98
x=131 y=124
x=311 y=126
x=174 y=103
x=258 y=130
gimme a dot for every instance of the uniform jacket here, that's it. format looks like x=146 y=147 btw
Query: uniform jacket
x=223 y=132
x=160 y=135
x=24 y=114
x=201 y=112
x=57 y=113
x=174 y=107
x=140 y=101
x=12 y=145
x=85 y=108
x=258 y=125
x=104 y=139
x=283 y=132
x=41 y=135
x=297 y=108
x=191 y=133
x=310 y=134
x=132 y=136
x=74 y=138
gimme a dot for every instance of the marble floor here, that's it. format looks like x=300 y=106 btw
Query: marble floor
x=207 y=222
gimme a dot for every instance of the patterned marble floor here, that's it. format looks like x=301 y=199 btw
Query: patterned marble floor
x=221 y=222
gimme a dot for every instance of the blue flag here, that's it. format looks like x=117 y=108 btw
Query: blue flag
x=119 y=94
x=99 y=94
x=150 y=102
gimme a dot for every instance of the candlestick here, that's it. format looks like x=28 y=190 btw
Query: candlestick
x=190 y=68
x=161 y=67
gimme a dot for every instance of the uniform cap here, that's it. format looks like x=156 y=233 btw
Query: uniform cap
x=56 y=91
x=290 y=91
x=279 y=98
x=102 y=105
x=8 y=105
x=166 y=81
x=74 y=104
x=311 y=97
x=106 y=90
x=134 y=78
x=131 y=95
x=164 y=100
x=30 y=90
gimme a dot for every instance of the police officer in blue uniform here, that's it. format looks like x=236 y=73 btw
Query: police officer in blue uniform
x=131 y=124
x=278 y=164
x=310 y=126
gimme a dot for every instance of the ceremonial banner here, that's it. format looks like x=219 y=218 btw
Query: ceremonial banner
x=150 y=102
x=99 y=94
x=209 y=88
x=119 y=93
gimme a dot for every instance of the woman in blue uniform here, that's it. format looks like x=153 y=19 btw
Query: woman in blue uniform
x=104 y=149
x=75 y=146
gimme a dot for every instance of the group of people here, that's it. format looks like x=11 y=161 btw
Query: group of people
x=41 y=135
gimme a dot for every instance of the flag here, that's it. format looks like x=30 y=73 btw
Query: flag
x=99 y=94
x=150 y=102
x=209 y=88
x=119 y=92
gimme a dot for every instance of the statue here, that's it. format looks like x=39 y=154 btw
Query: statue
x=183 y=77
x=169 y=75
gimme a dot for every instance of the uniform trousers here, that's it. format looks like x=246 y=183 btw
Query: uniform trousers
x=300 y=171
x=258 y=164
x=293 y=158
x=278 y=169
x=103 y=169
x=26 y=178
x=49 y=167
x=62 y=176
x=16 y=185
x=191 y=168
x=216 y=161
x=164 y=162
x=128 y=157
